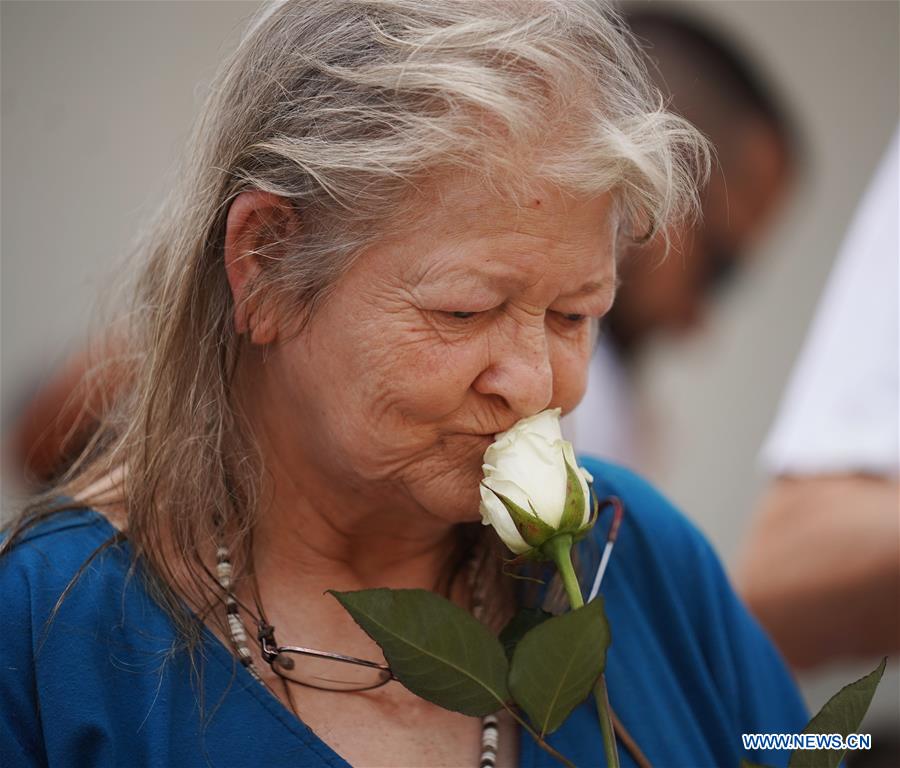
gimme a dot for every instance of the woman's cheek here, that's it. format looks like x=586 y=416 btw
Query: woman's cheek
x=459 y=366
x=570 y=370
x=439 y=374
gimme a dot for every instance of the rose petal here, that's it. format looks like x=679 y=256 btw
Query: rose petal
x=494 y=513
x=509 y=489
x=545 y=423
x=536 y=466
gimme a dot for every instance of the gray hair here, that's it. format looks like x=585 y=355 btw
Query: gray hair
x=348 y=109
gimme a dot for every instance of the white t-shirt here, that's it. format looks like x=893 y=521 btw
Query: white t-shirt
x=840 y=410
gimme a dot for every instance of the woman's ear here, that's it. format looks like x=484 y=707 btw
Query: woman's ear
x=256 y=222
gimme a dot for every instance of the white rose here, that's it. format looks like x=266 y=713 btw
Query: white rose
x=533 y=488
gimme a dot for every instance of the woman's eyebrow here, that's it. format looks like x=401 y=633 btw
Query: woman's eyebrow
x=501 y=281
x=606 y=285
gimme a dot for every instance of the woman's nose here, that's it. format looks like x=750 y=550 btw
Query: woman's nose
x=519 y=370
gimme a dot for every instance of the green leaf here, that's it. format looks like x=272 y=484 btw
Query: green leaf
x=434 y=648
x=522 y=622
x=843 y=713
x=557 y=663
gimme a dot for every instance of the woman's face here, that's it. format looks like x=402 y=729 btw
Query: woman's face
x=440 y=337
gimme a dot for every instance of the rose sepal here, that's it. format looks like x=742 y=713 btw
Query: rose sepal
x=581 y=533
x=530 y=527
x=573 y=508
x=537 y=533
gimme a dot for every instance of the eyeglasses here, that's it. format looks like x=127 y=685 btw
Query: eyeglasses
x=321 y=669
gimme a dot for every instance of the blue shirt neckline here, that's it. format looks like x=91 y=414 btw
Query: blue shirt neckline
x=684 y=648
x=261 y=692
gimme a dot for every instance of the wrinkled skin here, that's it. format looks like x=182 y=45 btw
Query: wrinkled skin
x=373 y=422
x=387 y=400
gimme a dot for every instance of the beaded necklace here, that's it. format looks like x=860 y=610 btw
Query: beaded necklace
x=490 y=733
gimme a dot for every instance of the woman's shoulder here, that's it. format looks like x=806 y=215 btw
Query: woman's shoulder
x=40 y=563
x=684 y=636
x=65 y=535
x=661 y=558
x=651 y=521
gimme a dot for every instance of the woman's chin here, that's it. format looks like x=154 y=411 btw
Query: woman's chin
x=447 y=482
x=459 y=501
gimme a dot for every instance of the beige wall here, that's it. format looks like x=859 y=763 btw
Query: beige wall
x=97 y=96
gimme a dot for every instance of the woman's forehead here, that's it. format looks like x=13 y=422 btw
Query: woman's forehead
x=512 y=274
x=455 y=201
x=505 y=250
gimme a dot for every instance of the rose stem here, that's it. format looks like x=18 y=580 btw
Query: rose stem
x=538 y=738
x=560 y=549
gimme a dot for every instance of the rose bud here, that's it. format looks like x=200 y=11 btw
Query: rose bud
x=533 y=488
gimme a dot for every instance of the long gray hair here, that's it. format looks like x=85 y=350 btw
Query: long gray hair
x=346 y=108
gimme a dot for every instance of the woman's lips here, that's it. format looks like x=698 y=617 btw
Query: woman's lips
x=481 y=438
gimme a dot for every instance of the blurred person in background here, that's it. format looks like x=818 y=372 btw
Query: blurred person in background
x=711 y=83
x=821 y=564
x=57 y=419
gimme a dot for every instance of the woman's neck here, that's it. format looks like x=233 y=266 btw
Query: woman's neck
x=313 y=534
x=306 y=548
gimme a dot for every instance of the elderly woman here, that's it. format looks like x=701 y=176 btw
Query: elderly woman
x=397 y=225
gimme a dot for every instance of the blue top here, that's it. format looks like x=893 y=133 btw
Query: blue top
x=688 y=670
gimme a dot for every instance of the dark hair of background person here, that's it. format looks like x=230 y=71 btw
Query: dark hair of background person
x=712 y=81
x=681 y=46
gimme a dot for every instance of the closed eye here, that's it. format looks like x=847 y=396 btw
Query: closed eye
x=566 y=322
x=458 y=319
x=573 y=319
